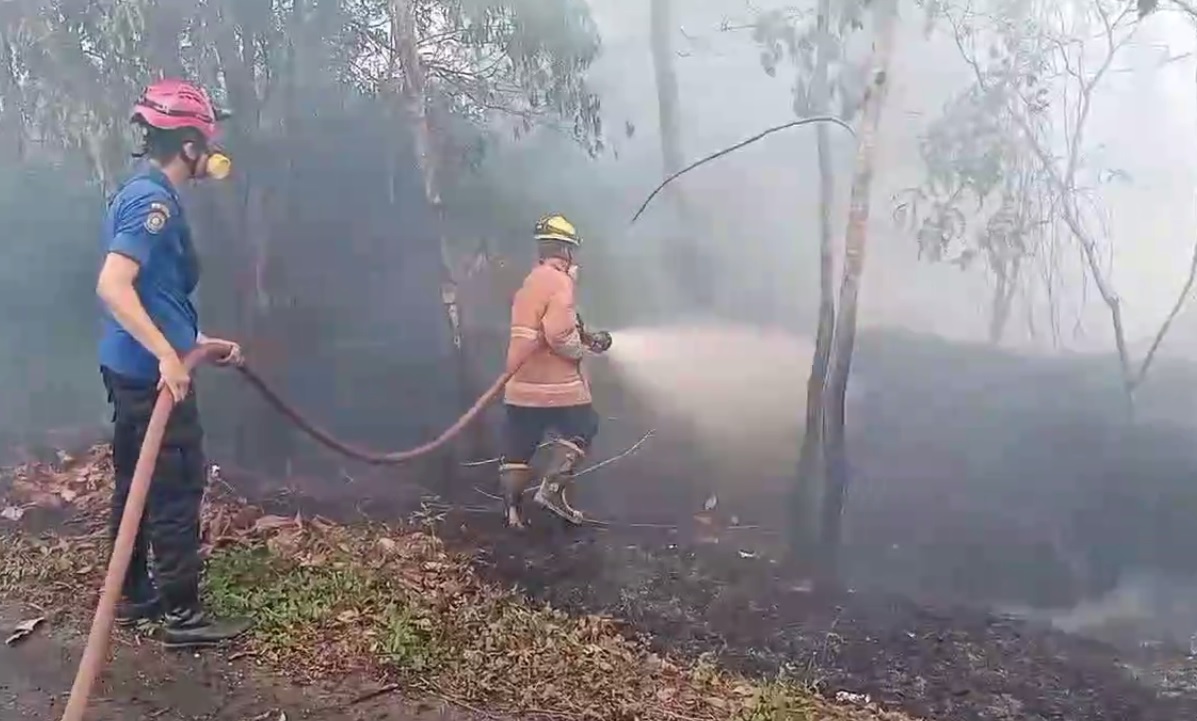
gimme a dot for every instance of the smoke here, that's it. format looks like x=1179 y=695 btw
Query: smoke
x=1144 y=606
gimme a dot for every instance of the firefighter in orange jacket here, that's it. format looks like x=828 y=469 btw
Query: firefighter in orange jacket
x=548 y=392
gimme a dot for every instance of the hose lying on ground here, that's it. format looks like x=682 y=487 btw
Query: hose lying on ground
x=96 y=650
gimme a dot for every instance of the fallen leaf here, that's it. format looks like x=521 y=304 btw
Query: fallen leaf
x=68 y=495
x=853 y=698
x=270 y=523
x=12 y=513
x=23 y=630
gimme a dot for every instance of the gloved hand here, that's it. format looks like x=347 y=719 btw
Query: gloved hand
x=599 y=342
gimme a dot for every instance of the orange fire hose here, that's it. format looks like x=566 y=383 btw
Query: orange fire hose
x=96 y=650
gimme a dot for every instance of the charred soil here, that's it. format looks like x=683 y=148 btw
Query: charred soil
x=956 y=663
x=941 y=424
x=966 y=490
x=708 y=587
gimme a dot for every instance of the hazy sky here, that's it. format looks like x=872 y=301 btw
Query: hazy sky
x=760 y=204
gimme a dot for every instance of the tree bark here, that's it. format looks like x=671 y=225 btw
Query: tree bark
x=165 y=25
x=1005 y=286
x=855 y=243
x=12 y=121
x=243 y=200
x=413 y=91
x=689 y=276
x=804 y=495
x=661 y=30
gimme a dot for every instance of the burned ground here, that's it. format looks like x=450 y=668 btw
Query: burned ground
x=981 y=480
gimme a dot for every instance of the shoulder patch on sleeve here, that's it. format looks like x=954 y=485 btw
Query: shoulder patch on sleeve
x=155 y=219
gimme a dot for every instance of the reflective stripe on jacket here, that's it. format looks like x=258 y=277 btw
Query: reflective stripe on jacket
x=543 y=314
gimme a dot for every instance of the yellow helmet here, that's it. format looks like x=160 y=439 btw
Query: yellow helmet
x=556 y=227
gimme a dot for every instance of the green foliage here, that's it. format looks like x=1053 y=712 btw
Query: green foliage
x=986 y=196
x=79 y=65
x=783 y=34
x=524 y=61
x=288 y=602
x=983 y=194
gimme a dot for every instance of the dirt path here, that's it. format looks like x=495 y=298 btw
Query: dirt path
x=144 y=682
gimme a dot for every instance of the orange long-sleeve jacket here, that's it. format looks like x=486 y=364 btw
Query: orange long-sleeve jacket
x=543 y=314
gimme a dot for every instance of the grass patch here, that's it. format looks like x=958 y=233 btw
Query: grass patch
x=297 y=607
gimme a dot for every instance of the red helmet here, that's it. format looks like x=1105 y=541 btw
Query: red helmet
x=171 y=104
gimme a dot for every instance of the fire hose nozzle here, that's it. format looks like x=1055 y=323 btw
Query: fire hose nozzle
x=600 y=342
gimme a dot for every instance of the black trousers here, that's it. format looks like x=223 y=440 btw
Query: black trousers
x=170 y=527
x=526 y=427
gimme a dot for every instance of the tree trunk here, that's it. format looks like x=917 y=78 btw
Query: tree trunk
x=1005 y=285
x=661 y=31
x=165 y=22
x=12 y=121
x=414 y=93
x=689 y=279
x=259 y=442
x=855 y=241
x=807 y=483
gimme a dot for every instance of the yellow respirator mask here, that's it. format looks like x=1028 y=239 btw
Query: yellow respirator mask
x=219 y=166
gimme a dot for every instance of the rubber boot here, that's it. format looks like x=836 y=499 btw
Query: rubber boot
x=187 y=625
x=513 y=479
x=132 y=611
x=563 y=459
x=195 y=628
x=140 y=601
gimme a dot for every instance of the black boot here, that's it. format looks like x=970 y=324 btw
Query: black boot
x=192 y=627
x=131 y=611
x=140 y=600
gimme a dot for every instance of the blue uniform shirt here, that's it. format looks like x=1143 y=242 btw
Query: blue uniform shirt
x=145 y=223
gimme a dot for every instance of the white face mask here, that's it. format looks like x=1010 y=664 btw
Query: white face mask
x=573 y=272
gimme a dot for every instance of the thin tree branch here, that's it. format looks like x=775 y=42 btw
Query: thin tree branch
x=1181 y=300
x=731 y=149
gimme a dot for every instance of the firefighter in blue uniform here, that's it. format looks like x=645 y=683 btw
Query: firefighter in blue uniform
x=149 y=272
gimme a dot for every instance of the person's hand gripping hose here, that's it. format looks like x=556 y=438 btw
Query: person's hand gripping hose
x=599 y=342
